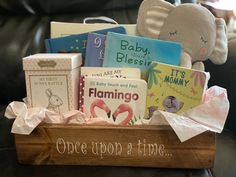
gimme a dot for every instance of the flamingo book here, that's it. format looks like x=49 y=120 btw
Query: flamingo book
x=105 y=72
x=118 y=101
x=174 y=89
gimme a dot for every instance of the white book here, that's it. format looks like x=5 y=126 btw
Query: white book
x=62 y=29
x=118 y=101
x=111 y=72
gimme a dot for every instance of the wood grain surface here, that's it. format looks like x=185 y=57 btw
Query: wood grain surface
x=141 y=146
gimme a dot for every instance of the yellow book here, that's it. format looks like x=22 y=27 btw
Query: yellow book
x=174 y=89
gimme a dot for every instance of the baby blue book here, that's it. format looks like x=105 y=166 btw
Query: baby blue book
x=75 y=43
x=134 y=51
x=95 y=50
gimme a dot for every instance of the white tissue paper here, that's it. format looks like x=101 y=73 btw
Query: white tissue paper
x=210 y=115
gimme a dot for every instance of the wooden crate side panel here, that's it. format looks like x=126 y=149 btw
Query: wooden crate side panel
x=116 y=146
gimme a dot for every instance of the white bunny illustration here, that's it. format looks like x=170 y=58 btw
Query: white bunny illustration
x=54 y=101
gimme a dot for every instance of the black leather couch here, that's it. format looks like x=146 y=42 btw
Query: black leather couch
x=24 y=24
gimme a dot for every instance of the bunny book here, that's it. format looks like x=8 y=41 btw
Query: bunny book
x=174 y=89
x=52 y=81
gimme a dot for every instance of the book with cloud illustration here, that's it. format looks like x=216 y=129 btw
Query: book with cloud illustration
x=174 y=89
x=138 y=52
x=118 y=101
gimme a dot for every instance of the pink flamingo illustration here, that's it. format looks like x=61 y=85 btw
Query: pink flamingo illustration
x=123 y=108
x=100 y=104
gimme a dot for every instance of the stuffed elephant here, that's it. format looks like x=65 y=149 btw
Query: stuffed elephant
x=201 y=34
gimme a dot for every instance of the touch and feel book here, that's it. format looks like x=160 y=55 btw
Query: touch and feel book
x=111 y=72
x=118 y=101
x=95 y=49
x=75 y=43
x=134 y=51
x=174 y=89
x=118 y=73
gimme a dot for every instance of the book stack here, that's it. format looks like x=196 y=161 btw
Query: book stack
x=125 y=78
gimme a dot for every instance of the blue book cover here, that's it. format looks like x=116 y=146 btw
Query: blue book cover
x=134 y=51
x=75 y=43
x=95 y=50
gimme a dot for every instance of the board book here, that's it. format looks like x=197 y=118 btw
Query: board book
x=105 y=72
x=75 y=43
x=118 y=101
x=95 y=49
x=62 y=29
x=134 y=51
x=111 y=72
x=174 y=89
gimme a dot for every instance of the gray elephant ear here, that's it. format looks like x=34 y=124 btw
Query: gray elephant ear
x=220 y=52
x=151 y=17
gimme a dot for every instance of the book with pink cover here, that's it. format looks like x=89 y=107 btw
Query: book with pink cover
x=118 y=101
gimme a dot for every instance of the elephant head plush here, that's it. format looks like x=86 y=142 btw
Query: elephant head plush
x=201 y=34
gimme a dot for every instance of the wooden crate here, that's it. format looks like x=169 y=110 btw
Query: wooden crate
x=146 y=146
